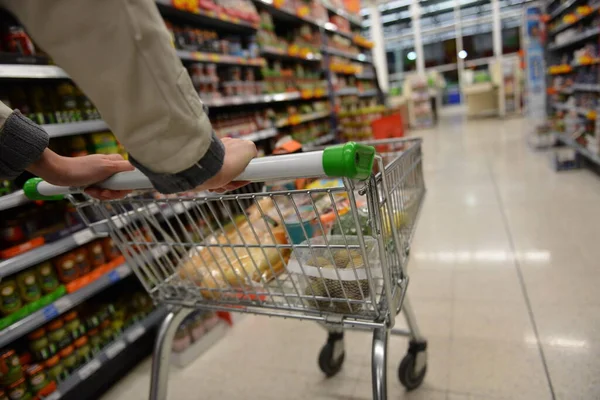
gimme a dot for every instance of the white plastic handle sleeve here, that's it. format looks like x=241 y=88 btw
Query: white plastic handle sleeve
x=288 y=166
x=351 y=160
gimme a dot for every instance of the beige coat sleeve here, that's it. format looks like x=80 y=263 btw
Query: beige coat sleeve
x=119 y=52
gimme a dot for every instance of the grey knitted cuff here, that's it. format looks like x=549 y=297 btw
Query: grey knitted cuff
x=21 y=144
x=204 y=169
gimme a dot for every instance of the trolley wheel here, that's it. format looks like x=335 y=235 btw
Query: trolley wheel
x=410 y=372
x=332 y=355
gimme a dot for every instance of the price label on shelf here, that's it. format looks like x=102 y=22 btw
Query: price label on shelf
x=214 y=58
x=114 y=276
x=123 y=270
x=134 y=333
x=53 y=396
x=83 y=237
x=114 y=349
x=50 y=312
x=63 y=304
x=89 y=368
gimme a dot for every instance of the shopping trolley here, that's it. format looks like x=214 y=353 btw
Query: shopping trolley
x=334 y=252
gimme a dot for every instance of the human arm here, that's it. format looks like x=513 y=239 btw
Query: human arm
x=119 y=53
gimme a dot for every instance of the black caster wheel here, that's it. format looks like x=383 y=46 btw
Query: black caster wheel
x=332 y=355
x=409 y=376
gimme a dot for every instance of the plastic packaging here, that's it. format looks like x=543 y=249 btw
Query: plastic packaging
x=10 y=368
x=73 y=325
x=57 y=334
x=47 y=277
x=29 y=288
x=334 y=275
x=55 y=369
x=36 y=377
x=10 y=301
x=40 y=345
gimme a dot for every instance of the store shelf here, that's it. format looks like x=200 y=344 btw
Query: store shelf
x=74 y=128
x=354 y=57
x=302 y=118
x=13 y=200
x=206 y=18
x=562 y=8
x=45 y=252
x=585 y=87
x=321 y=140
x=128 y=338
x=219 y=58
x=579 y=110
x=261 y=135
x=595 y=158
x=24 y=71
x=588 y=34
x=285 y=15
x=562 y=27
x=365 y=76
x=342 y=13
x=272 y=52
x=368 y=93
x=562 y=107
x=60 y=306
x=252 y=99
x=347 y=91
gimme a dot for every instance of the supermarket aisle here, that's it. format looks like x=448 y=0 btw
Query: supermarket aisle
x=503 y=271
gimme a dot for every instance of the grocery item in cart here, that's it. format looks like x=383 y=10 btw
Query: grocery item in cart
x=332 y=272
x=215 y=268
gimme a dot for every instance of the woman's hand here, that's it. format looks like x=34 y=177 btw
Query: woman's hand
x=238 y=154
x=81 y=171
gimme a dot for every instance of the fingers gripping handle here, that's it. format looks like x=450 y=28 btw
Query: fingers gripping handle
x=350 y=160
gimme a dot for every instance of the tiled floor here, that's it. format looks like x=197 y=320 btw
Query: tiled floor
x=504 y=282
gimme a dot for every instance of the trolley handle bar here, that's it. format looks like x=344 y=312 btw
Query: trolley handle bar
x=350 y=160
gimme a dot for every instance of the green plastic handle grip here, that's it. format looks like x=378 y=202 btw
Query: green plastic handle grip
x=351 y=160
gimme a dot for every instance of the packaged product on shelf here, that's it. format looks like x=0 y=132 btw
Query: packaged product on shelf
x=57 y=334
x=10 y=368
x=68 y=358
x=47 y=277
x=83 y=349
x=75 y=329
x=56 y=371
x=66 y=266
x=106 y=331
x=18 y=390
x=6 y=187
x=3 y=395
x=109 y=248
x=28 y=285
x=95 y=340
x=96 y=254
x=17 y=41
x=10 y=301
x=82 y=262
x=103 y=143
x=37 y=377
x=39 y=344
